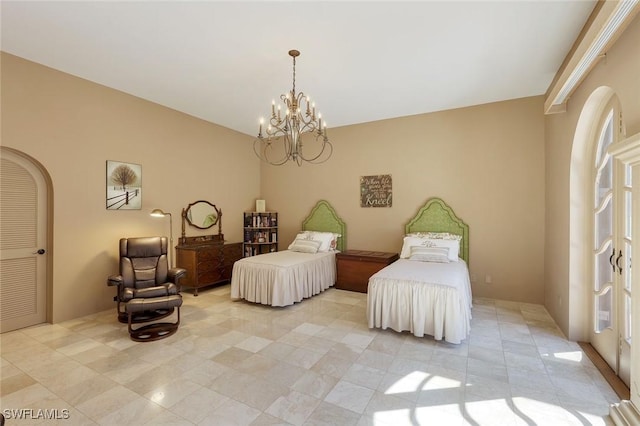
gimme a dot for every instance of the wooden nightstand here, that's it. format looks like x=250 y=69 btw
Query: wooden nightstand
x=355 y=267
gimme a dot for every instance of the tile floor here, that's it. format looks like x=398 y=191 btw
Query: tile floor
x=314 y=363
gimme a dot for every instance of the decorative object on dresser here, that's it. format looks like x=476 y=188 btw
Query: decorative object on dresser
x=355 y=267
x=260 y=233
x=208 y=259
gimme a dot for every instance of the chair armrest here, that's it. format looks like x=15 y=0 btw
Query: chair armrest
x=175 y=274
x=127 y=294
x=115 y=280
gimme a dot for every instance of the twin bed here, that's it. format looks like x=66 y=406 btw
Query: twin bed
x=426 y=292
x=285 y=277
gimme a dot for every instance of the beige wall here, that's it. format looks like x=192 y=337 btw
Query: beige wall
x=486 y=162
x=620 y=71
x=72 y=127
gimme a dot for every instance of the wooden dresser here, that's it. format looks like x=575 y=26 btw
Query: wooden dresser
x=355 y=267
x=208 y=260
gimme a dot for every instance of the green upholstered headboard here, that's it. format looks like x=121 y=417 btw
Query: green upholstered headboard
x=437 y=216
x=323 y=218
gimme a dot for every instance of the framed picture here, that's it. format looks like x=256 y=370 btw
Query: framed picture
x=124 y=186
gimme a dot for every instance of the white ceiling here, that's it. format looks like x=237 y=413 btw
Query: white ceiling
x=360 y=61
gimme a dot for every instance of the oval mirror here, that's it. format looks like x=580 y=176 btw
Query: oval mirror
x=202 y=214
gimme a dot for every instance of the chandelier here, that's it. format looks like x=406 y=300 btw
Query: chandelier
x=282 y=140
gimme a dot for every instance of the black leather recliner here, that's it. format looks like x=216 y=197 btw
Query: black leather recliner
x=148 y=290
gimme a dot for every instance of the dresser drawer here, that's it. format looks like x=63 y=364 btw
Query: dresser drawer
x=207 y=277
x=208 y=264
x=213 y=254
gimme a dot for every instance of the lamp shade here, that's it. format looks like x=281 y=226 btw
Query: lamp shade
x=157 y=213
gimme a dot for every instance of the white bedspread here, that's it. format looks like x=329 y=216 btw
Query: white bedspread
x=282 y=278
x=423 y=298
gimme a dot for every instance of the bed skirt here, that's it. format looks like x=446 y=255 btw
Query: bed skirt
x=282 y=278
x=400 y=298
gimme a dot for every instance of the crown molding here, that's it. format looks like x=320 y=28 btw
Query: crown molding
x=605 y=24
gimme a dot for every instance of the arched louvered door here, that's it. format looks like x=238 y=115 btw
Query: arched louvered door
x=23 y=242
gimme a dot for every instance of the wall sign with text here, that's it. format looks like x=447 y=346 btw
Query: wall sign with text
x=375 y=191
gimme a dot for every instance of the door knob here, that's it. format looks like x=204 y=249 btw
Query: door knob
x=40 y=251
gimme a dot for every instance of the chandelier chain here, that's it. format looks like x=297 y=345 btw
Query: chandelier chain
x=294 y=76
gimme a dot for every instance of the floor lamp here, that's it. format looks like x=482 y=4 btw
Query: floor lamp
x=160 y=213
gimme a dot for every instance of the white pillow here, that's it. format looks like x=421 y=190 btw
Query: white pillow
x=328 y=240
x=305 y=246
x=303 y=235
x=452 y=245
x=429 y=254
x=407 y=243
x=334 y=242
x=410 y=241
